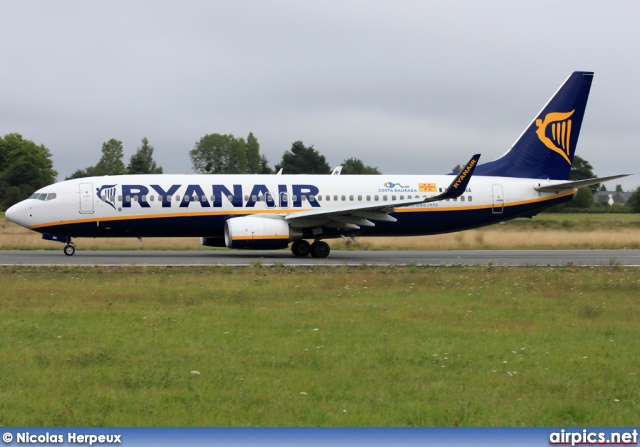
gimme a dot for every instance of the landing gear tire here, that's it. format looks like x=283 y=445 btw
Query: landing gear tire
x=69 y=250
x=320 y=249
x=300 y=248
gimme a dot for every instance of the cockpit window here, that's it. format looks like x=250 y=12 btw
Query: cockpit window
x=43 y=196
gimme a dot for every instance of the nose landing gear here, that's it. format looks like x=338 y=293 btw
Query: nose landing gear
x=69 y=249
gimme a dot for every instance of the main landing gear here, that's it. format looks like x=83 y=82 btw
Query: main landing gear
x=319 y=249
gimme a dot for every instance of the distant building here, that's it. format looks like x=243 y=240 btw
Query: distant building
x=612 y=197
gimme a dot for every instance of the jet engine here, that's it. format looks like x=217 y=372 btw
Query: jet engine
x=259 y=233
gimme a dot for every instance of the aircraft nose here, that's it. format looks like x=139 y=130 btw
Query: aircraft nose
x=17 y=214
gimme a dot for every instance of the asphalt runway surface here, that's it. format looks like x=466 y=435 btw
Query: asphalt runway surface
x=513 y=258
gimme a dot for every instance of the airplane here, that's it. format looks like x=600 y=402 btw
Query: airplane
x=273 y=211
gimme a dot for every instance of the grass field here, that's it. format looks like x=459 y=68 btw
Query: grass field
x=545 y=231
x=323 y=347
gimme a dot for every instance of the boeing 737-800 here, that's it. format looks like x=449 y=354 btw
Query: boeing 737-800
x=272 y=211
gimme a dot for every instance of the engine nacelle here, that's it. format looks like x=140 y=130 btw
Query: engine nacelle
x=258 y=233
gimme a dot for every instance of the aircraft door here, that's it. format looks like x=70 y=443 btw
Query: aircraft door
x=86 y=198
x=498 y=199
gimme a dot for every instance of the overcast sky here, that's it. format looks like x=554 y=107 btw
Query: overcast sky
x=411 y=87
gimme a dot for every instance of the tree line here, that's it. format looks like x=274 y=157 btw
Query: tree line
x=26 y=167
x=111 y=162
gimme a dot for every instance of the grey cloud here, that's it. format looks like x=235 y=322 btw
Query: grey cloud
x=407 y=86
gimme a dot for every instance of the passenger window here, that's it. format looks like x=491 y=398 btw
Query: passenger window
x=312 y=198
x=393 y=197
x=319 y=198
x=335 y=198
x=254 y=198
x=470 y=198
x=376 y=198
x=359 y=198
x=177 y=198
x=119 y=198
x=135 y=198
x=384 y=198
x=462 y=198
x=230 y=197
x=204 y=198
x=351 y=198
x=368 y=198
x=127 y=199
x=152 y=198
x=213 y=198
x=294 y=197
x=186 y=198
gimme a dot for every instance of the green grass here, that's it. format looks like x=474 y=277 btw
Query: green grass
x=323 y=347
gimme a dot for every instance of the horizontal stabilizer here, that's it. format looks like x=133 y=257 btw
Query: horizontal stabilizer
x=576 y=184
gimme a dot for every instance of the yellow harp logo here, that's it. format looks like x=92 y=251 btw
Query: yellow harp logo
x=559 y=137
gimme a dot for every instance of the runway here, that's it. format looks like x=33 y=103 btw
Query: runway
x=238 y=258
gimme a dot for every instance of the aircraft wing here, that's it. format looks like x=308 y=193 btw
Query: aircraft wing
x=575 y=184
x=354 y=216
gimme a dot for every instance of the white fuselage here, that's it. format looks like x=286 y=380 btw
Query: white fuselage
x=198 y=205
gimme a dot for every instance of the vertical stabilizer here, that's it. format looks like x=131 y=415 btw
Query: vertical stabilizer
x=545 y=150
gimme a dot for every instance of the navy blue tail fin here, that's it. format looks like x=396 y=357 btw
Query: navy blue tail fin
x=545 y=149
